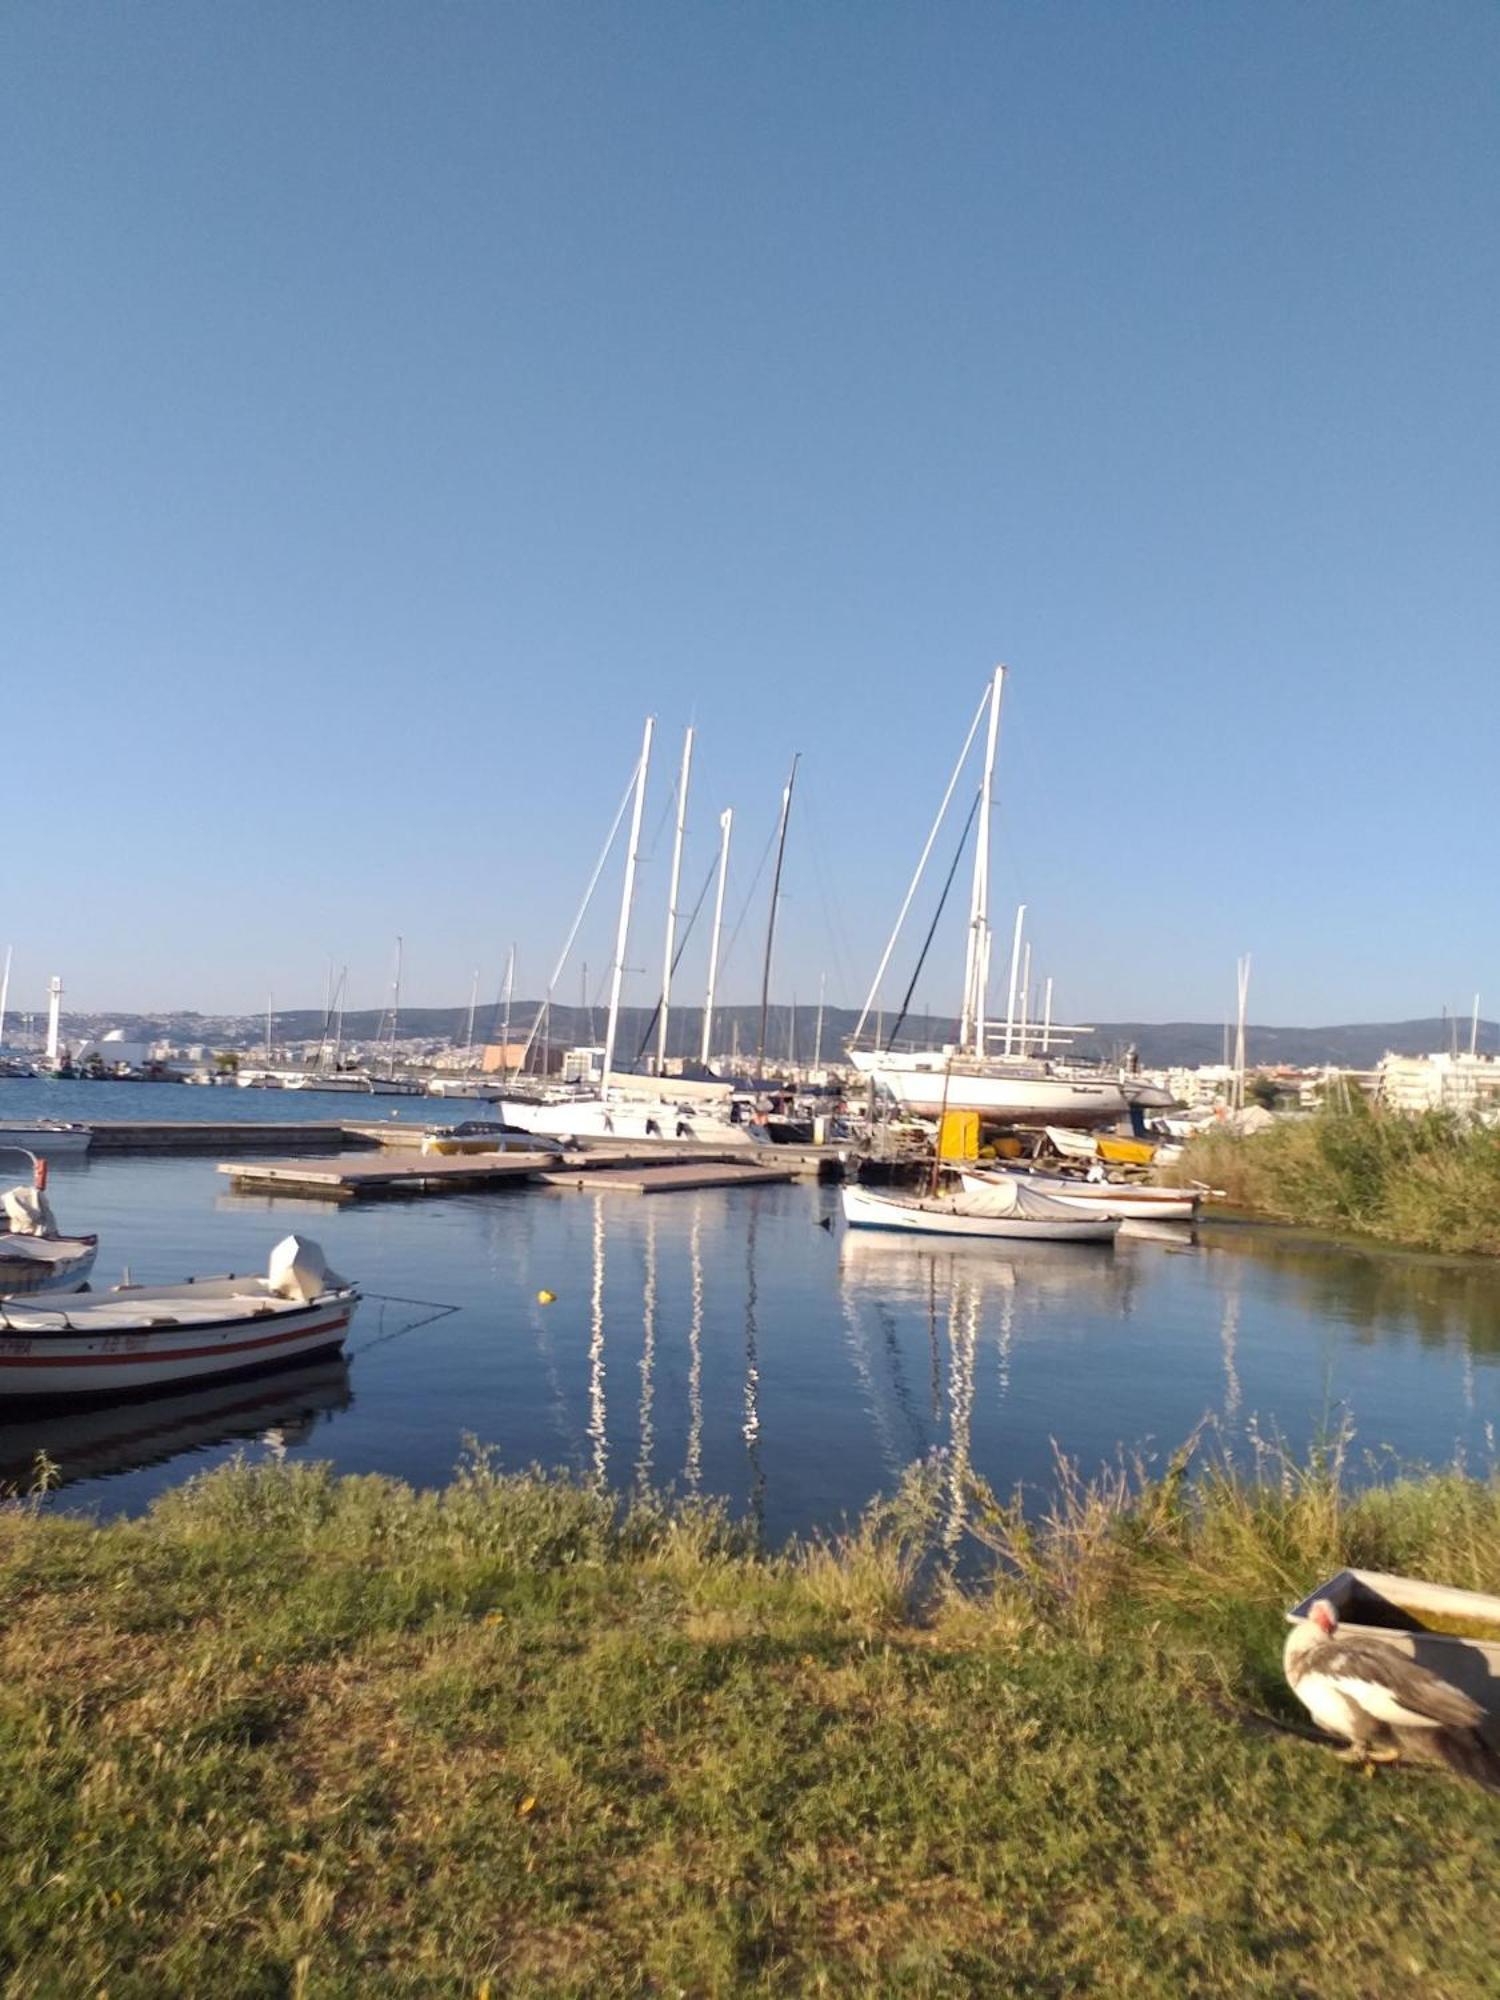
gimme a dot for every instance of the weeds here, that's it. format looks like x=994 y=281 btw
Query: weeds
x=295 y=1733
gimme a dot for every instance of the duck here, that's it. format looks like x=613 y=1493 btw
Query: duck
x=1383 y=1704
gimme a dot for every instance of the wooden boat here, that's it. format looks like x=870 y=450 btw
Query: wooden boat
x=1454 y=1633
x=1096 y=1197
x=134 y=1339
x=43 y=1263
x=1008 y=1213
x=48 y=1138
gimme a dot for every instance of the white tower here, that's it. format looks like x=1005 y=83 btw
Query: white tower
x=54 y=1016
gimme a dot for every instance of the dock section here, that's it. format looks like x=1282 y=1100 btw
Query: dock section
x=358 y=1176
x=656 y=1177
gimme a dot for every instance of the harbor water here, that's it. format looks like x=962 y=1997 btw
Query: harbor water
x=742 y=1343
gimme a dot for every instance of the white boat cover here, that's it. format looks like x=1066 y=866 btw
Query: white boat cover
x=28 y=1212
x=1013 y=1198
x=298 y=1271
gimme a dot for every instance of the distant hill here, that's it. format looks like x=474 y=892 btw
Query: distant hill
x=1352 y=1045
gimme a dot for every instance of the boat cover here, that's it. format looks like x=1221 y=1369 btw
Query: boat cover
x=1013 y=1198
x=28 y=1212
x=298 y=1271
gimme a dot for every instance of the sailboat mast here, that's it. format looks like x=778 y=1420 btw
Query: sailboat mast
x=390 y=1062
x=818 y=1031
x=976 y=970
x=765 y=976
x=726 y=823
x=1015 y=973
x=666 y=967
x=338 y=1024
x=627 y=896
x=1047 y=1017
x=510 y=982
x=473 y=1003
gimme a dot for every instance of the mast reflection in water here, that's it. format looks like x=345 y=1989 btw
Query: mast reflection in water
x=723 y=1343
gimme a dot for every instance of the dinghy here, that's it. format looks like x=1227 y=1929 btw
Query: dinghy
x=1011 y=1212
x=34 y=1254
x=134 y=1339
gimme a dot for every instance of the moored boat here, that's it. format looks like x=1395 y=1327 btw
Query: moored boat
x=43 y=1263
x=1159 y=1204
x=1013 y=1213
x=49 y=1138
x=134 y=1339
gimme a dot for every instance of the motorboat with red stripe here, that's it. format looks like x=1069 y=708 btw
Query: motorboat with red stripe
x=133 y=1339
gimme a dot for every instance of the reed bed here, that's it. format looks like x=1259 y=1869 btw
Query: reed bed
x=1430 y=1182
x=298 y=1734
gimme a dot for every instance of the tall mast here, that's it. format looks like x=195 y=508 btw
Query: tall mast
x=1025 y=995
x=338 y=1022
x=1015 y=972
x=1047 y=1017
x=726 y=823
x=390 y=1061
x=818 y=1031
x=666 y=967
x=765 y=975
x=976 y=969
x=627 y=896
x=5 y=993
x=1242 y=993
x=473 y=1003
x=510 y=982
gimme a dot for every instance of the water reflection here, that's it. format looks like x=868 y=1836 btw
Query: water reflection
x=100 y=1443
x=693 y=1467
x=597 y=1424
x=1442 y=1299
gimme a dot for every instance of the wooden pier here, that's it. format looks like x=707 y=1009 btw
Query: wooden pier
x=356 y=1176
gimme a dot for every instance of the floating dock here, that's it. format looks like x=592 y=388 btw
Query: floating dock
x=355 y=1176
x=133 y=1135
x=657 y=1178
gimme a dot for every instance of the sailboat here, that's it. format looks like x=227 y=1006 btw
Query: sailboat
x=1003 y=1087
x=643 y=1108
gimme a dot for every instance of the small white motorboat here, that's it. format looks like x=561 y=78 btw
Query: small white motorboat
x=35 y=1256
x=49 y=1138
x=133 y=1339
x=1010 y=1212
x=1123 y=1200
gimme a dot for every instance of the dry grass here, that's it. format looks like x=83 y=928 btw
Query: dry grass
x=300 y=1735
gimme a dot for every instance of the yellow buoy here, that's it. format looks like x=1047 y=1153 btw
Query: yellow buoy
x=546 y=1298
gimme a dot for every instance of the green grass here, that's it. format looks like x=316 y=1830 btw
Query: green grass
x=1431 y=1182
x=294 y=1734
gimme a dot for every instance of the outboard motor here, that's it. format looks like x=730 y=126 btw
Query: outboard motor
x=297 y=1271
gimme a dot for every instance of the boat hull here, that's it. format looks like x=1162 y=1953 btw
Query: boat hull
x=41 y=1263
x=1098 y=1198
x=925 y=1087
x=109 y=1362
x=864 y=1209
x=591 y=1118
x=48 y=1142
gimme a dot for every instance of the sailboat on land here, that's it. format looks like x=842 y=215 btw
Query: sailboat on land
x=1006 y=1086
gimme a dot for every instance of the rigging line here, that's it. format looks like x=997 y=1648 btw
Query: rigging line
x=765 y=855
x=677 y=956
x=963 y=841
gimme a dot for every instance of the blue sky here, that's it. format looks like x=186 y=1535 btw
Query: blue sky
x=399 y=401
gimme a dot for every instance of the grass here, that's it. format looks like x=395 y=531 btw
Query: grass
x=1430 y=1182
x=292 y=1734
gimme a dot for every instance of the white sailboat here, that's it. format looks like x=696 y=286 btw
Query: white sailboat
x=1009 y=1086
x=654 y=1108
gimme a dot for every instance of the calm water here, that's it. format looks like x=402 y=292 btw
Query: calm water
x=725 y=1342
x=221 y=1104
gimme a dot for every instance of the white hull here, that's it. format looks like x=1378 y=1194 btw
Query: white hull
x=864 y=1209
x=125 y=1343
x=1030 y=1094
x=43 y=1263
x=463 y=1086
x=1097 y=1198
x=48 y=1141
x=592 y=1118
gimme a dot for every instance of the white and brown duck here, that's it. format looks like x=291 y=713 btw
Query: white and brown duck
x=1384 y=1704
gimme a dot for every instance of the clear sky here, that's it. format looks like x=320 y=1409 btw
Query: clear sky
x=399 y=401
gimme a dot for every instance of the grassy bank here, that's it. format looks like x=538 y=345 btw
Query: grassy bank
x=1428 y=1182
x=299 y=1735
